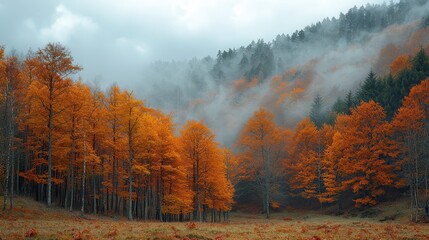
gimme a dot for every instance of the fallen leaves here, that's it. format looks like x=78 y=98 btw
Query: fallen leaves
x=30 y=233
x=191 y=225
x=77 y=236
x=112 y=233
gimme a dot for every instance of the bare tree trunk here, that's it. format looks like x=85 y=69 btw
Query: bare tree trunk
x=18 y=159
x=319 y=168
x=72 y=190
x=267 y=199
x=6 y=180
x=115 y=172
x=50 y=126
x=12 y=151
x=12 y=171
x=161 y=188
x=198 y=194
x=416 y=189
x=411 y=202
x=94 y=182
x=146 y=199
x=82 y=209
x=72 y=159
x=130 y=183
x=416 y=205
x=8 y=122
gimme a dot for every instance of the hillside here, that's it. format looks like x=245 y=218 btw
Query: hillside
x=330 y=58
x=32 y=220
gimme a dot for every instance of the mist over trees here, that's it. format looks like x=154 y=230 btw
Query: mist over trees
x=328 y=57
x=335 y=114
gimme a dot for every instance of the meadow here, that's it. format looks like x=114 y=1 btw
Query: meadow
x=32 y=220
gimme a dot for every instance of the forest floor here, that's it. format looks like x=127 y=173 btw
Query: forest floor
x=31 y=219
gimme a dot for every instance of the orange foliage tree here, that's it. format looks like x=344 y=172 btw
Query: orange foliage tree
x=54 y=65
x=10 y=84
x=412 y=131
x=175 y=192
x=261 y=144
x=207 y=173
x=117 y=155
x=366 y=153
x=116 y=148
x=402 y=62
x=304 y=161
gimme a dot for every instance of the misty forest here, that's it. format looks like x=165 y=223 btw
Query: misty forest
x=330 y=121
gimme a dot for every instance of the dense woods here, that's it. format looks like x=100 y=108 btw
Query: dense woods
x=66 y=143
x=361 y=158
x=70 y=144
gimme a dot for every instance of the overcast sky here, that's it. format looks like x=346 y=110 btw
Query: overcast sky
x=112 y=40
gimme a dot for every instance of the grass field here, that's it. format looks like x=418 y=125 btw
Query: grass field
x=30 y=219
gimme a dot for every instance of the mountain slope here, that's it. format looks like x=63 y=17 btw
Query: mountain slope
x=329 y=57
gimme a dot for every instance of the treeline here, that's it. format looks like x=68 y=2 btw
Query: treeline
x=263 y=59
x=389 y=91
x=75 y=146
x=373 y=143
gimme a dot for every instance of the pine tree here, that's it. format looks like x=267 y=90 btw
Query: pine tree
x=316 y=113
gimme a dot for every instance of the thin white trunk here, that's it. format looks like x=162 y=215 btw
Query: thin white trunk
x=82 y=209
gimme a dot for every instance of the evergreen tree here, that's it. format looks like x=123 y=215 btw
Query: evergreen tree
x=316 y=112
x=349 y=103
x=420 y=62
x=370 y=89
x=391 y=97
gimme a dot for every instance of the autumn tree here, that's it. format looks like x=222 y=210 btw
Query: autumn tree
x=3 y=120
x=197 y=141
x=133 y=111
x=105 y=152
x=232 y=168
x=116 y=145
x=55 y=64
x=96 y=129
x=412 y=130
x=175 y=193
x=73 y=117
x=332 y=175
x=306 y=152
x=366 y=153
x=206 y=171
x=261 y=144
x=401 y=63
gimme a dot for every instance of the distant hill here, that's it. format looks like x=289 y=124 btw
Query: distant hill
x=329 y=57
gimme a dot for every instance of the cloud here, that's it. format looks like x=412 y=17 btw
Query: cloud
x=66 y=23
x=153 y=30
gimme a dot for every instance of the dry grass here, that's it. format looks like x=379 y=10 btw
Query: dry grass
x=32 y=218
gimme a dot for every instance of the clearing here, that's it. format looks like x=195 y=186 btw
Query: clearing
x=30 y=219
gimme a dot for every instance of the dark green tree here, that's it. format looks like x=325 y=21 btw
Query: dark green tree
x=420 y=62
x=349 y=103
x=370 y=89
x=316 y=113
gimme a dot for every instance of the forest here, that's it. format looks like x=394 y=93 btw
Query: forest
x=67 y=143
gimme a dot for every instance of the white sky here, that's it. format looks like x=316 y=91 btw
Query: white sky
x=112 y=40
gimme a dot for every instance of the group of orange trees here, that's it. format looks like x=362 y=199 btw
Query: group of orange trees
x=361 y=157
x=67 y=143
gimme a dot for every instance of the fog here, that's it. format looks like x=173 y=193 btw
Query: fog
x=188 y=90
x=165 y=52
